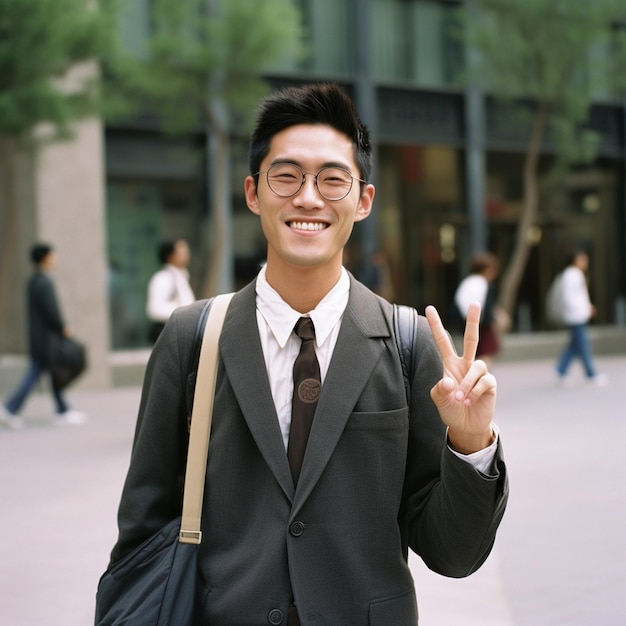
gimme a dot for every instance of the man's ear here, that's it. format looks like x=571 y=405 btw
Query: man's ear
x=250 y=190
x=365 y=203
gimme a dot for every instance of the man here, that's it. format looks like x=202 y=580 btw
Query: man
x=326 y=543
x=577 y=310
x=169 y=287
x=44 y=322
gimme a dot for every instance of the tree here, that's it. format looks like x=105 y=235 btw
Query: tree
x=542 y=51
x=45 y=80
x=203 y=61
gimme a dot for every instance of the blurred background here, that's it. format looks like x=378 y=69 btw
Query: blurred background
x=496 y=126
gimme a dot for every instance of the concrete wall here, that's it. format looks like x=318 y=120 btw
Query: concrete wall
x=71 y=215
x=62 y=202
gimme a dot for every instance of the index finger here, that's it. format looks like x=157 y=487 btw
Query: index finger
x=440 y=334
x=470 y=336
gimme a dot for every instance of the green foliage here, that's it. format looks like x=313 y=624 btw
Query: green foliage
x=202 y=50
x=562 y=54
x=40 y=41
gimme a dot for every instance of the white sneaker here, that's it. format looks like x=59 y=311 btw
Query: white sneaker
x=599 y=380
x=70 y=418
x=10 y=419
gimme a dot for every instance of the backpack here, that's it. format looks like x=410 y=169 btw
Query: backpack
x=405 y=330
x=554 y=301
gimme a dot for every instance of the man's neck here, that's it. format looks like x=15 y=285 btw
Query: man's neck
x=302 y=288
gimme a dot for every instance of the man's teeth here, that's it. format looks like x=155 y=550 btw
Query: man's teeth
x=308 y=225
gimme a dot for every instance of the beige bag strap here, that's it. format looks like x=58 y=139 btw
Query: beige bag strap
x=201 y=416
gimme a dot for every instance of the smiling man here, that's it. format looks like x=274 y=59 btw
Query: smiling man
x=321 y=474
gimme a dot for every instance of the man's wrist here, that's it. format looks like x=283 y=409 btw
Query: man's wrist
x=468 y=444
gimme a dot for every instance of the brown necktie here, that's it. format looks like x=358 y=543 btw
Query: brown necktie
x=306 y=390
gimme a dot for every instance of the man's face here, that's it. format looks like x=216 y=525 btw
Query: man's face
x=180 y=255
x=306 y=230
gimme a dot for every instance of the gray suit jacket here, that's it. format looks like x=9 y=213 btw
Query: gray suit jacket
x=377 y=478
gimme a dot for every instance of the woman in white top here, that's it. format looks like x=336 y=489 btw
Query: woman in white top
x=478 y=286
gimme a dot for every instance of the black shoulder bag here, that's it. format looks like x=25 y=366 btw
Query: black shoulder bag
x=155 y=584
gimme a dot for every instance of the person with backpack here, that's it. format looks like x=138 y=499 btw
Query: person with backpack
x=322 y=471
x=569 y=302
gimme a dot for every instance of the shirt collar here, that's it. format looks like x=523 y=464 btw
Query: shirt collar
x=281 y=318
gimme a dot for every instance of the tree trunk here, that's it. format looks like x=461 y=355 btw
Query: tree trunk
x=512 y=276
x=218 y=276
x=10 y=224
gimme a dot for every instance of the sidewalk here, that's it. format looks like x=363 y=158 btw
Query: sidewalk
x=558 y=560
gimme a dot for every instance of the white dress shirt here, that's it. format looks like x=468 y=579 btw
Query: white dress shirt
x=276 y=321
x=167 y=290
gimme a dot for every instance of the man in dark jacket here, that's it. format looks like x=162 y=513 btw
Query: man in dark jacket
x=322 y=538
x=44 y=322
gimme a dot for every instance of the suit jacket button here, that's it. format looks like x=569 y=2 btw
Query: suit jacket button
x=297 y=528
x=275 y=617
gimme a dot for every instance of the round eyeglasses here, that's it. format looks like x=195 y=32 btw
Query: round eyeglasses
x=286 y=180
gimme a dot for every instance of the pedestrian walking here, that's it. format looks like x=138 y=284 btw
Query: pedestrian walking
x=169 y=287
x=45 y=323
x=576 y=310
x=319 y=482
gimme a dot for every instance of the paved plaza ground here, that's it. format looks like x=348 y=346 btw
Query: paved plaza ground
x=559 y=560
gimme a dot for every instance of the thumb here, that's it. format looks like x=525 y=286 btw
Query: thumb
x=442 y=393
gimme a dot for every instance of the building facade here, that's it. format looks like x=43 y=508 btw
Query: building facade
x=448 y=172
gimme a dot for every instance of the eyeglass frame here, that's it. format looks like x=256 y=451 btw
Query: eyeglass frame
x=305 y=174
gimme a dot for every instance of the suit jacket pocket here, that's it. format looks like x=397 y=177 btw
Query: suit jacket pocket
x=400 y=609
x=379 y=420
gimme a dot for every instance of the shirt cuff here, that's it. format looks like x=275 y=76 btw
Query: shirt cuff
x=483 y=459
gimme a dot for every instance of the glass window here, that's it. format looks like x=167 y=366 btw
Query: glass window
x=599 y=70
x=390 y=61
x=436 y=54
x=140 y=213
x=330 y=42
x=414 y=41
x=134 y=27
x=329 y=38
x=420 y=211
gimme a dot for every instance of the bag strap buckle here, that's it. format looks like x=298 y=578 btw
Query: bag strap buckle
x=190 y=536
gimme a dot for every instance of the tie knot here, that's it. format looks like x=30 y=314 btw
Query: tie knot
x=304 y=329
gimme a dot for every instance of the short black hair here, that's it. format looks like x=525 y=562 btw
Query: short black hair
x=166 y=248
x=316 y=103
x=573 y=254
x=483 y=261
x=39 y=252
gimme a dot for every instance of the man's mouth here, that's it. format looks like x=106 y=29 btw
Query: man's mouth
x=307 y=225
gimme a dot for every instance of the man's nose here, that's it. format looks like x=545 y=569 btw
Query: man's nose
x=309 y=190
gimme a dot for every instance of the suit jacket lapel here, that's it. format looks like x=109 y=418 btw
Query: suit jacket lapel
x=353 y=360
x=245 y=366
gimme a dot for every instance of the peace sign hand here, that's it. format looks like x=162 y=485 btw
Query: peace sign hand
x=466 y=394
